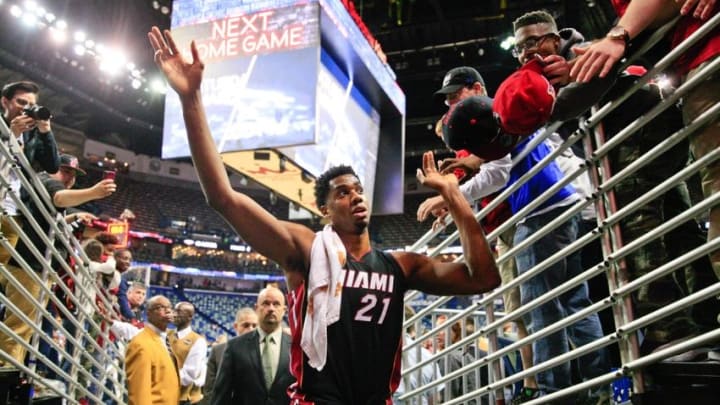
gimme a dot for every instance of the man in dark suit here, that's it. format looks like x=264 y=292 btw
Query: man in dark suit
x=255 y=367
x=246 y=320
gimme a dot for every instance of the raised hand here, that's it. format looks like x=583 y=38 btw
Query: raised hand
x=183 y=76
x=430 y=176
x=434 y=206
x=596 y=59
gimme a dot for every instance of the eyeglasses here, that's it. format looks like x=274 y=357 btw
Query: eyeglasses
x=531 y=42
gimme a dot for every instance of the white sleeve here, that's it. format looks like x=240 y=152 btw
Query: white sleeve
x=124 y=330
x=195 y=367
x=492 y=177
x=103 y=268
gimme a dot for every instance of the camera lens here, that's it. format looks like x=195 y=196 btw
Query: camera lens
x=38 y=112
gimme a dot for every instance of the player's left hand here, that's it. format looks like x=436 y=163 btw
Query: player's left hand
x=430 y=176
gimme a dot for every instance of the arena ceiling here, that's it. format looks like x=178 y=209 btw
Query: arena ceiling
x=422 y=39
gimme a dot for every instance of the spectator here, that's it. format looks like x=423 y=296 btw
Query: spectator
x=190 y=351
x=454 y=360
x=468 y=165
x=426 y=374
x=150 y=366
x=37 y=141
x=600 y=58
x=58 y=186
x=494 y=177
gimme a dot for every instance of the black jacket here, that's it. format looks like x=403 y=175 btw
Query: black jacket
x=240 y=378
x=41 y=150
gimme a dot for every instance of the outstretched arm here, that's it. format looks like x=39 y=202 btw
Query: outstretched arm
x=598 y=58
x=479 y=273
x=286 y=243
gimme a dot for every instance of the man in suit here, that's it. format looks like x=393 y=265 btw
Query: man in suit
x=255 y=367
x=246 y=320
x=152 y=375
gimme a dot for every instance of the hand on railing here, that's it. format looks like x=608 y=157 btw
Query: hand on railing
x=703 y=8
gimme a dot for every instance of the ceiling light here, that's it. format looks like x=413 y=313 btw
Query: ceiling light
x=29 y=20
x=158 y=86
x=80 y=36
x=30 y=5
x=57 y=35
x=61 y=25
x=16 y=11
x=508 y=43
x=79 y=50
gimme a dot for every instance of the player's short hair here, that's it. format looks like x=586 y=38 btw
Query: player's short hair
x=322 y=184
x=535 y=17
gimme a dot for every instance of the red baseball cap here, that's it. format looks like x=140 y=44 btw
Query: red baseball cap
x=525 y=100
x=470 y=124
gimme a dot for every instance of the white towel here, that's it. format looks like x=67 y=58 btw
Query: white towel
x=324 y=292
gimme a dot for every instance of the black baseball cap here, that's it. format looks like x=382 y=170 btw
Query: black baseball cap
x=457 y=78
x=71 y=162
x=471 y=124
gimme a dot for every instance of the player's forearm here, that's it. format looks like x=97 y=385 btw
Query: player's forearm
x=478 y=257
x=206 y=159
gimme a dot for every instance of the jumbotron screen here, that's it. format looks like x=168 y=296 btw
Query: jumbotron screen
x=348 y=129
x=257 y=89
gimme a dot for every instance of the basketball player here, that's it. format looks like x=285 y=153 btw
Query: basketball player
x=360 y=360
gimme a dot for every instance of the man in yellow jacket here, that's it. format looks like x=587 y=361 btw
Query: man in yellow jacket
x=152 y=376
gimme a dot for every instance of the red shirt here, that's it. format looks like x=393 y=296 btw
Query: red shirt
x=707 y=48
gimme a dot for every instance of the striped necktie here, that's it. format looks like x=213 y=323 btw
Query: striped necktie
x=168 y=346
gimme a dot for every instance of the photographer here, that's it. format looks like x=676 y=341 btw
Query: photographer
x=59 y=187
x=30 y=124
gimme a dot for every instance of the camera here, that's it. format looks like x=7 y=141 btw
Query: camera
x=37 y=112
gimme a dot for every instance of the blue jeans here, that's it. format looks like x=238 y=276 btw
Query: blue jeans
x=576 y=299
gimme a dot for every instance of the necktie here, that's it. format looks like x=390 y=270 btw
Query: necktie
x=267 y=361
x=168 y=345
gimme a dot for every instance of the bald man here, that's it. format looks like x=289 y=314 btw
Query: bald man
x=242 y=379
x=151 y=374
